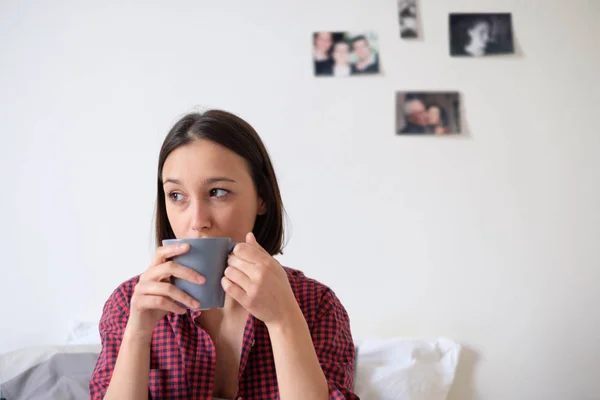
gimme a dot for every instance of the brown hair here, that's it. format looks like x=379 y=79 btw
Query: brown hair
x=230 y=131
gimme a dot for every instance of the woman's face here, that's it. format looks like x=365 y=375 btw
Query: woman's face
x=341 y=53
x=323 y=42
x=433 y=114
x=209 y=192
x=480 y=35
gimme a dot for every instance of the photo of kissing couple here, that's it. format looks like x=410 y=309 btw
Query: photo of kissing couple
x=433 y=113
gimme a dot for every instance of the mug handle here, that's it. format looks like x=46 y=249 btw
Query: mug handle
x=232 y=245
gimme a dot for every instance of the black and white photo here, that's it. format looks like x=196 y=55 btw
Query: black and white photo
x=482 y=34
x=408 y=19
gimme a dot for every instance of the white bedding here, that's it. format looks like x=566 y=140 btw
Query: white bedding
x=386 y=369
x=405 y=369
x=47 y=372
x=15 y=362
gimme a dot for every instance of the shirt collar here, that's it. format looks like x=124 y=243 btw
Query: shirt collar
x=195 y=314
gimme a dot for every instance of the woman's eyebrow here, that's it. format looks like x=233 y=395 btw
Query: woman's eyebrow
x=207 y=181
x=172 y=180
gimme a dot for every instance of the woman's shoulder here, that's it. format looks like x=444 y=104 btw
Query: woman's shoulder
x=313 y=296
x=299 y=281
x=120 y=298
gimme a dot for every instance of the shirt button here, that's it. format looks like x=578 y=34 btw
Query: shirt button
x=252 y=346
x=239 y=398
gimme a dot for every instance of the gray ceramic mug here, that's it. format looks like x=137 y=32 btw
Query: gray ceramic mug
x=207 y=256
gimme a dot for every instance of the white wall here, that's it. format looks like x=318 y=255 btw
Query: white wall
x=490 y=239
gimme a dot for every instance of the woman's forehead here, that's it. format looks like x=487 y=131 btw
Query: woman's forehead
x=202 y=160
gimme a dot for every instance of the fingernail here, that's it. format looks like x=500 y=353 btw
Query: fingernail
x=200 y=280
x=182 y=245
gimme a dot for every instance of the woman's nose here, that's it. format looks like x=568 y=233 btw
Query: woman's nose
x=201 y=218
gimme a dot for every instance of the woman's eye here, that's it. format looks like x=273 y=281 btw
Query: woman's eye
x=174 y=196
x=218 y=193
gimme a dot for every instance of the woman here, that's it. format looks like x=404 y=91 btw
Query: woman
x=341 y=59
x=472 y=37
x=279 y=335
x=437 y=120
x=322 y=44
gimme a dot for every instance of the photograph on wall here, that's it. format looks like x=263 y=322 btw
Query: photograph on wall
x=476 y=35
x=427 y=113
x=345 y=53
x=407 y=14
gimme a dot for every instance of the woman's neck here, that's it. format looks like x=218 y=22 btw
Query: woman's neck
x=231 y=308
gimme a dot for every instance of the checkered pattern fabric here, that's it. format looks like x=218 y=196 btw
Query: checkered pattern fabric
x=183 y=357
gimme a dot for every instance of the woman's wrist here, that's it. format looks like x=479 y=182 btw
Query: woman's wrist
x=291 y=320
x=133 y=334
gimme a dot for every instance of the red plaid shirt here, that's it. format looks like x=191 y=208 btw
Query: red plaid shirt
x=182 y=358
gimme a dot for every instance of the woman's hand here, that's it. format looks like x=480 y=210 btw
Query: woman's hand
x=155 y=295
x=259 y=283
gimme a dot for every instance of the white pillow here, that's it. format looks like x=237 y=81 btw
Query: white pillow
x=81 y=332
x=405 y=369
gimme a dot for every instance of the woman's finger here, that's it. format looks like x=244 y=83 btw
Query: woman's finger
x=238 y=277
x=165 y=252
x=150 y=302
x=169 y=290
x=244 y=266
x=165 y=271
x=251 y=240
x=233 y=290
x=248 y=252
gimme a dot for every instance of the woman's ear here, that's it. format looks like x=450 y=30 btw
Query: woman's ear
x=262 y=207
